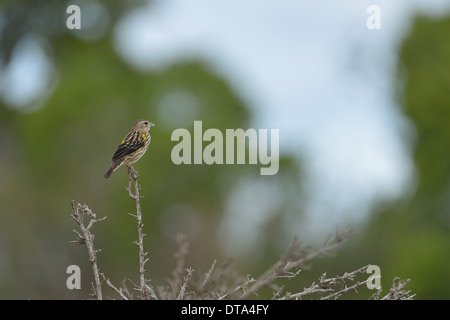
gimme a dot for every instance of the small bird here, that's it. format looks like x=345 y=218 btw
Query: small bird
x=132 y=147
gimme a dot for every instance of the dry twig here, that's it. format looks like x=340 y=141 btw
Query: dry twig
x=144 y=289
x=223 y=282
x=87 y=238
x=284 y=267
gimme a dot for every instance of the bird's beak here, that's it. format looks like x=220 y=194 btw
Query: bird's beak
x=151 y=124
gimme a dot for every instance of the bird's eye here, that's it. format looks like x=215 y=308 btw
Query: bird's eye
x=146 y=123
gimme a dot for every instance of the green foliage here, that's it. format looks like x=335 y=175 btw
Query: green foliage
x=58 y=151
x=411 y=238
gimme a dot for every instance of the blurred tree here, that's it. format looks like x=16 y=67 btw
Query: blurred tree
x=57 y=148
x=411 y=238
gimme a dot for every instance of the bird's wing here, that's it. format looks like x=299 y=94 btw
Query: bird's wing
x=132 y=142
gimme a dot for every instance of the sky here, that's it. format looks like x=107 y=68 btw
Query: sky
x=311 y=69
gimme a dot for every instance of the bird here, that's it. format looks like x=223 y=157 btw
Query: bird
x=132 y=147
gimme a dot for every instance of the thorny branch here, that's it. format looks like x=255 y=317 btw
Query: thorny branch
x=284 y=267
x=144 y=289
x=398 y=292
x=223 y=282
x=87 y=238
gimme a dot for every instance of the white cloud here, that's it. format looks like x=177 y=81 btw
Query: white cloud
x=311 y=69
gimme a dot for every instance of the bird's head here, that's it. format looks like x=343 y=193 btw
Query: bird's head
x=143 y=125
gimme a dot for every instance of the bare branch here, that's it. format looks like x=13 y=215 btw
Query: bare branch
x=223 y=282
x=87 y=238
x=133 y=191
x=119 y=291
x=189 y=271
x=208 y=274
x=398 y=292
x=285 y=265
x=242 y=286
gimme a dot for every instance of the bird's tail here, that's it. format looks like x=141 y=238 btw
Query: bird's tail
x=111 y=169
x=114 y=166
x=109 y=172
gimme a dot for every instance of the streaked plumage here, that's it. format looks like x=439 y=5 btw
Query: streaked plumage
x=132 y=147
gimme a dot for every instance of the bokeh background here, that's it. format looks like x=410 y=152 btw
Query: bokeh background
x=363 y=117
